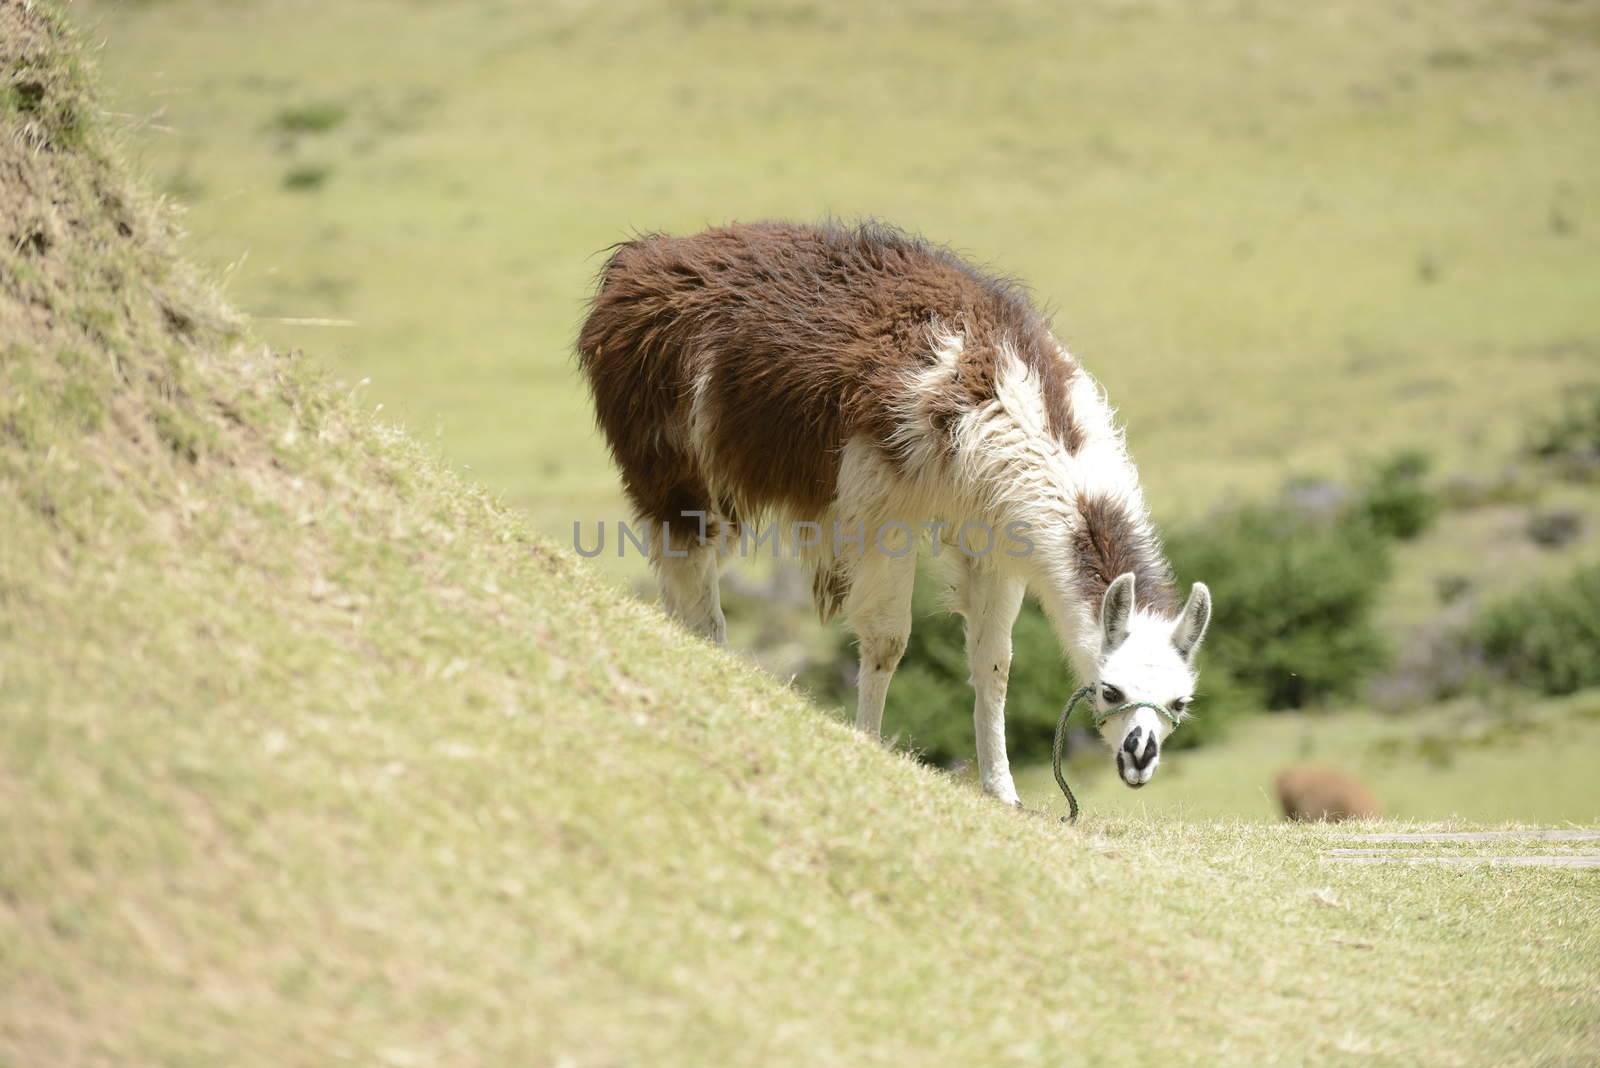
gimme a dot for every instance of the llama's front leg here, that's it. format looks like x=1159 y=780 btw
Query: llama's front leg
x=879 y=609
x=689 y=589
x=990 y=603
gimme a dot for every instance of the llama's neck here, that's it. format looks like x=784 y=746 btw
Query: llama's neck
x=1085 y=513
x=1074 y=619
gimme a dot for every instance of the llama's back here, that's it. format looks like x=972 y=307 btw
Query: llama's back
x=730 y=368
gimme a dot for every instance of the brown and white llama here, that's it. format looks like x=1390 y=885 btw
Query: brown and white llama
x=864 y=383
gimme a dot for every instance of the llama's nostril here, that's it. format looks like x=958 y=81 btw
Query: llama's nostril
x=1130 y=744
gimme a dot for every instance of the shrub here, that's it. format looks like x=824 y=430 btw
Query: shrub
x=1547 y=638
x=316 y=117
x=1397 y=501
x=1575 y=431
x=306 y=177
x=1292 y=615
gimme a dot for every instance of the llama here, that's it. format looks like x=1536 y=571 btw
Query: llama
x=1312 y=794
x=869 y=384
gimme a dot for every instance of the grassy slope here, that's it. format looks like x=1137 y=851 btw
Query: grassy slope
x=310 y=752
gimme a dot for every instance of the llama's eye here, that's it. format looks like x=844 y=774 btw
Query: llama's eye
x=1111 y=695
x=1181 y=705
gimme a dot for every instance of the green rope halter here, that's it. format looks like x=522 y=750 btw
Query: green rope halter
x=1099 y=721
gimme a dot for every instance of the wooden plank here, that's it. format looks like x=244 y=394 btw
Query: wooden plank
x=1482 y=836
x=1573 y=861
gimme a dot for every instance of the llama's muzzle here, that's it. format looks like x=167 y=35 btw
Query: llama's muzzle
x=1138 y=755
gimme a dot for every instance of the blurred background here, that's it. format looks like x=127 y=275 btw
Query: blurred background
x=1337 y=264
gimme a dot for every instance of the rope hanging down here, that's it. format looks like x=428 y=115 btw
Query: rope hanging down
x=1099 y=721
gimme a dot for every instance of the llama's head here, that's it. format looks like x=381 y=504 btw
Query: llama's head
x=1148 y=658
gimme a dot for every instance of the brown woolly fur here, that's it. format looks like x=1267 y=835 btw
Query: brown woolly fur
x=1109 y=543
x=780 y=342
x=1310 y=794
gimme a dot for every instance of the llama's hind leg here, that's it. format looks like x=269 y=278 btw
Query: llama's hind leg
x=990 y=603
x=690 y=591
x=879 y=610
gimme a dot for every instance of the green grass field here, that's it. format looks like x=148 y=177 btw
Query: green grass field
x=1285 y=239
x=1288 y=241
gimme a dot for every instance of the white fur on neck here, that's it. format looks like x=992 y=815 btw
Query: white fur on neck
x=1028 y=476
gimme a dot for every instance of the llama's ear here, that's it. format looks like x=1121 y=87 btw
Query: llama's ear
x=1192 y=623
x=1115 y=609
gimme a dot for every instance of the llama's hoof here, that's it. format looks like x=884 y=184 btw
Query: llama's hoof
x=1005 y=796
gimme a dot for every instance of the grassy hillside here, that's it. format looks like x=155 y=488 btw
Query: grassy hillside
x=310 y=752
x=1285 y=237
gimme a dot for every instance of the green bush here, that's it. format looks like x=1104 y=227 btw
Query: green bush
x=1547 y=638
x=1575 y=431
x=1292 y=616
x=316 y=117
x=306 y=177
x=1397 y=501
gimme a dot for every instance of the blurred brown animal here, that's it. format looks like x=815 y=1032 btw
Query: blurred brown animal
x=1310 y=794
